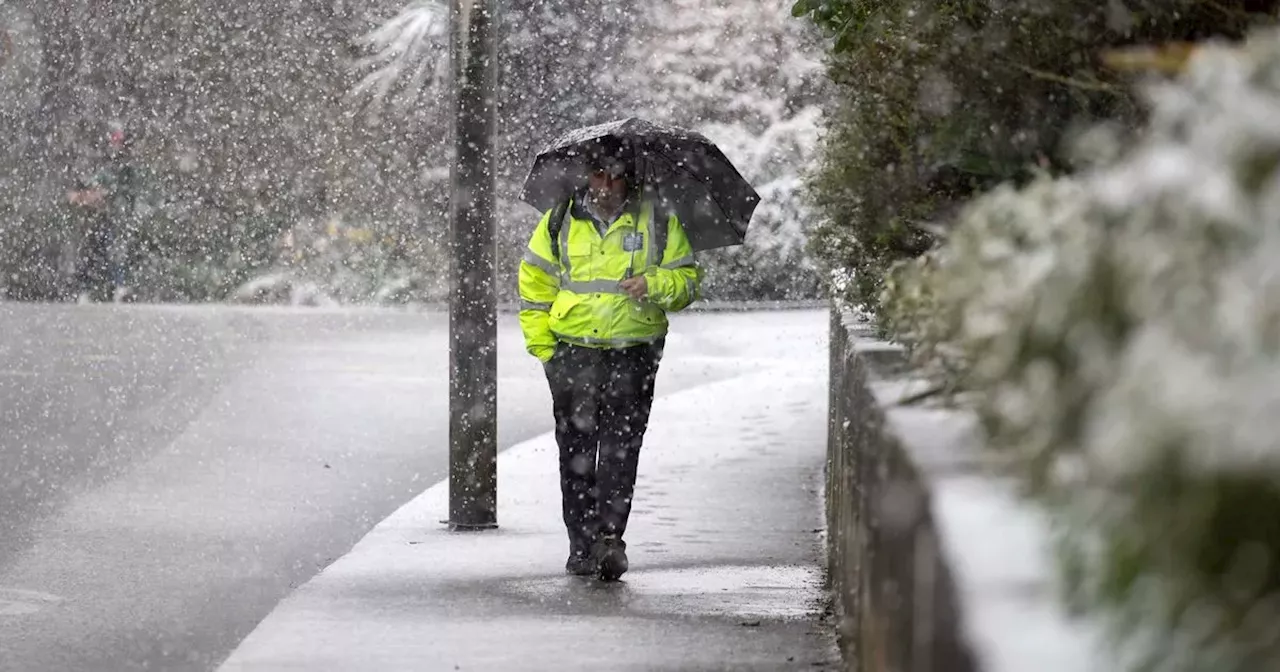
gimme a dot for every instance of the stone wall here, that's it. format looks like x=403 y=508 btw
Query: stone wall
x=935 y=563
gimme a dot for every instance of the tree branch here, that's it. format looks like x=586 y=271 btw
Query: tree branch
x=1068 y=81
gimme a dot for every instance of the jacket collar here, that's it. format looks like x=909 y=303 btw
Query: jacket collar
x=579 y=209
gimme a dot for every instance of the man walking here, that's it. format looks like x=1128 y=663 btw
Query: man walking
x=109 y=200
x=601 y=273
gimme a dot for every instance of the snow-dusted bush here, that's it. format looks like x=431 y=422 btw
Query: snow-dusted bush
x=939 y=101
x=1120 y=334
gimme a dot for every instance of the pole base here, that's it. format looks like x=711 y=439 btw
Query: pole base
x=469 y=527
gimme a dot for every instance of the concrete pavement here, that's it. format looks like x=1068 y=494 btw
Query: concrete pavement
x=168 y=474
x=725 y=547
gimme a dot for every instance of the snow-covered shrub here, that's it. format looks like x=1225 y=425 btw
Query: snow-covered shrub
x=939 y=101
x=1120 y=334
x=957 y=303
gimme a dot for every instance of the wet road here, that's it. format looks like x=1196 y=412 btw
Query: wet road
x=168 y=474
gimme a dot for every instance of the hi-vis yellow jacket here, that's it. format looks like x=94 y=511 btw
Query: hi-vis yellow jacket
x=576 y=298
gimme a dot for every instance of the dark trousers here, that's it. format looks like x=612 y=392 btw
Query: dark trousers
x=94 y=272
x=601 y=400
x=99 y=272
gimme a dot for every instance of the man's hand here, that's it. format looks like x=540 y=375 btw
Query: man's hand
x=637 y=287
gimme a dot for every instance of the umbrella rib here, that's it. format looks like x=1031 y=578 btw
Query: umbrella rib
x=697 y=179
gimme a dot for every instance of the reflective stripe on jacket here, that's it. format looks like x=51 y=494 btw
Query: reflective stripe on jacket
x=577 y=299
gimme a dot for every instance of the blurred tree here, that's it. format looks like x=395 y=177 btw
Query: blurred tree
x=560 y=63
x=236 y=108
x=256 y=119
x=749 y=77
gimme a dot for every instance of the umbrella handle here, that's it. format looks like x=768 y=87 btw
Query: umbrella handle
x=631 y=272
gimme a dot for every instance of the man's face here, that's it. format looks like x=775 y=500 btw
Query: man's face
x=608 y=186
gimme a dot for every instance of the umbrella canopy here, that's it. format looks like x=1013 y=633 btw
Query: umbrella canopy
x=682 y=170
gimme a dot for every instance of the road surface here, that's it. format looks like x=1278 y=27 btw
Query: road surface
x=169 y=474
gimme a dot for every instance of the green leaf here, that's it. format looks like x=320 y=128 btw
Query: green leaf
x=844 y=42
x=803 y=7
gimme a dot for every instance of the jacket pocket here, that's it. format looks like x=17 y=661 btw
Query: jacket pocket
x=580 y=254
x=564 y=303
x=647 y=313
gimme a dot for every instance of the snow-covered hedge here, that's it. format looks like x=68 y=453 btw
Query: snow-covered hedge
x=939 y=101
x=1119 y=334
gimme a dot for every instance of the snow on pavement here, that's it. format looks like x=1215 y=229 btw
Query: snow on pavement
x=724 y=543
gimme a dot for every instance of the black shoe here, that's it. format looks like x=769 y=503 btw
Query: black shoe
x=611 y=558
x=580 y=564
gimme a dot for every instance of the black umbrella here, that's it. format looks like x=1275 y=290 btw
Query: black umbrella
x=685 y=172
